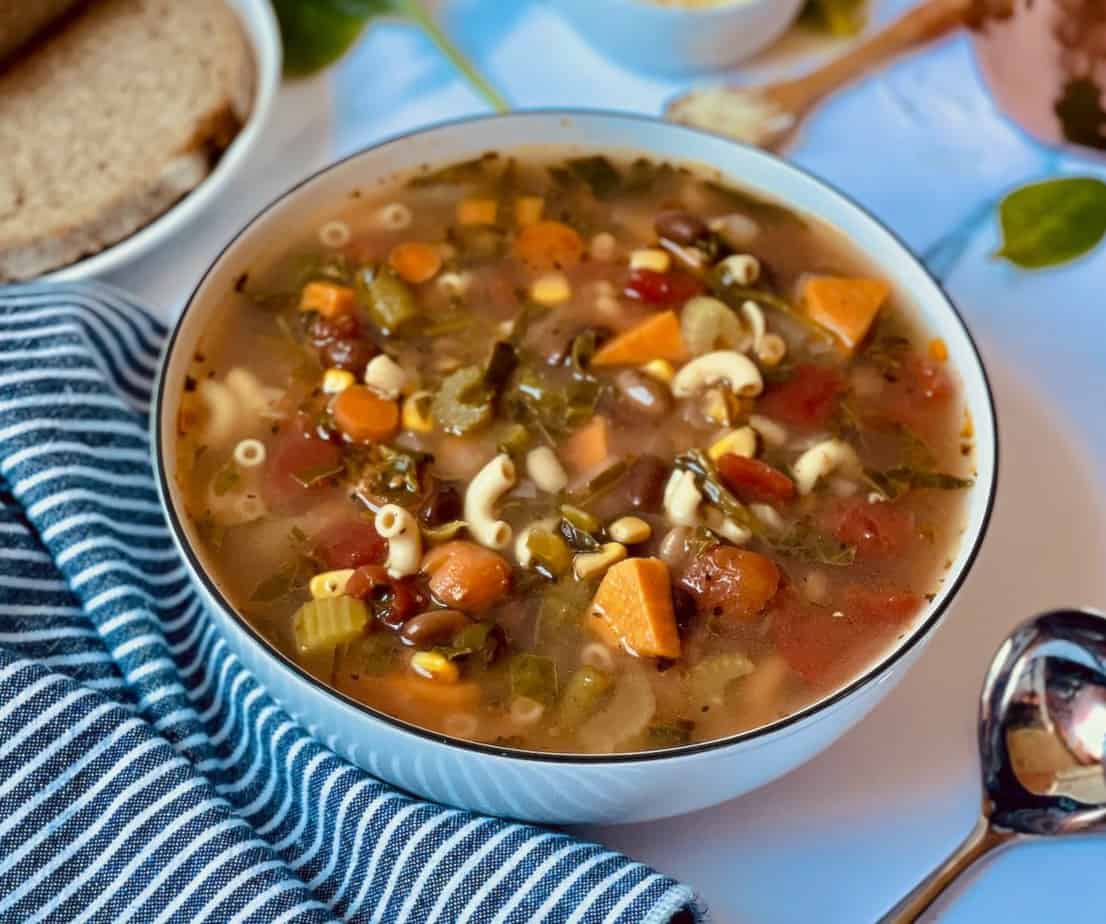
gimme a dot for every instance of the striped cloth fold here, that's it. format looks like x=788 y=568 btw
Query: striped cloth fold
x=145 y=775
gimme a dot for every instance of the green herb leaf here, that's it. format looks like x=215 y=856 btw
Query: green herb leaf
x=316 y=33
x=534 y=676
x=597 y=172
x=669 y=734
x=226 y=479
x=893 y=483
x=276 y=586
x=1052 y=222
x=707 y=480
x=804 y=542
x=393 y=473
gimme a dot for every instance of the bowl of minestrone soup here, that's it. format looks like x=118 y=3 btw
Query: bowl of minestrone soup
x=571 y=466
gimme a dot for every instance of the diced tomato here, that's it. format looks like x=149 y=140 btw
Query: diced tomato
x=671 y=288
x=754 y=481
x=821 y=644
x=394 y=600
x=350 y=544
x=877 y=530
x=731 y=584
x=880 y=606
x=807 y=400
x=920 y=390
x=808 y=637
x=300 y=468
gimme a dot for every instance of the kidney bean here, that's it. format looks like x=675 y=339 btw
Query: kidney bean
x=644 y=482
x=442 y=505
x=392 y=600
x=324 y=330
x=433 y=627
x=680 y=227
x=351 y=355
x=642 y=395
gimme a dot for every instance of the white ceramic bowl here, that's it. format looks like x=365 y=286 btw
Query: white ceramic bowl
x=662 y=39
x=263 y=34
x=548 y=787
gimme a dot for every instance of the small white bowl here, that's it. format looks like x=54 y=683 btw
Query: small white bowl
x=664 y=39
x=570 y=787
x=263 y=34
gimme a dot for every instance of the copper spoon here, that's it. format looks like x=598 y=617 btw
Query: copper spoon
x=769 y=115
x=1042 y=734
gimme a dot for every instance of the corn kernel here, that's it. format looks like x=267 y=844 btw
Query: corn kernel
x=528 y=210
x=327 y=298
x=587 y=565
x=476 y=212
x=330 y=583
x=650 y=259
x=434 y=666
x=739 y=442
x=629 y=530
x=660 y=370
x=336 y=380
x=938 y=350
x=416 y=412
x=551 y=289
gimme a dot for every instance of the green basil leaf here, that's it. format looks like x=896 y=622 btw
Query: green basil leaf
x=1052 y=222
x=315 y=33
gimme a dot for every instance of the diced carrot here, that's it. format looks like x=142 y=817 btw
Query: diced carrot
x=364 y=416
x=408 y=695
x=476 y=211
x=938 y=350
x=634 y=601
x=547 y=245
x=465 y=575
x=415 y=261
x=846 y=307
x=589 y=446
x=657 y=337
x=327 y=298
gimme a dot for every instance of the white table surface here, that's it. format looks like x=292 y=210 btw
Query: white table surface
x=843 y=837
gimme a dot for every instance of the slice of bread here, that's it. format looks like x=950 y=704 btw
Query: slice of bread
x=111 y=119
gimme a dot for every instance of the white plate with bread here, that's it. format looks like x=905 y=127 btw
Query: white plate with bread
x=120 y=121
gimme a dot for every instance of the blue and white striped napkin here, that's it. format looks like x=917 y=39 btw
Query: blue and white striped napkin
x=145 y=775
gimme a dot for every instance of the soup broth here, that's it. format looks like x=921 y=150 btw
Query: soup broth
x=580 y=455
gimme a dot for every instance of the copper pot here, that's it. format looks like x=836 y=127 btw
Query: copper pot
x=1045 y=63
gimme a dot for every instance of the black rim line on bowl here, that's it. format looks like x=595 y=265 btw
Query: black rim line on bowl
x=881 y=667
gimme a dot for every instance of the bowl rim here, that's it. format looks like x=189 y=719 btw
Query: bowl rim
x=262 y=34
x=816 y=709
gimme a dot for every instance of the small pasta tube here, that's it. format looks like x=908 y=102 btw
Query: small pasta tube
x=492 y=481
x=398 y=526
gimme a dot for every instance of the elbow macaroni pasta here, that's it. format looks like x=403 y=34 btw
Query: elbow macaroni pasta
x=492 y=481
x=404 y=540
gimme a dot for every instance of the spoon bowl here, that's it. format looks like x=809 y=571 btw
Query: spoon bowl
x=1042 y=734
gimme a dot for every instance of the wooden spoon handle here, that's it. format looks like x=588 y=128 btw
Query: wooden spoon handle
x=921 y=24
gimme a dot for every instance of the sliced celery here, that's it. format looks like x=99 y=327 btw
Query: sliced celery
x=320 y=625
